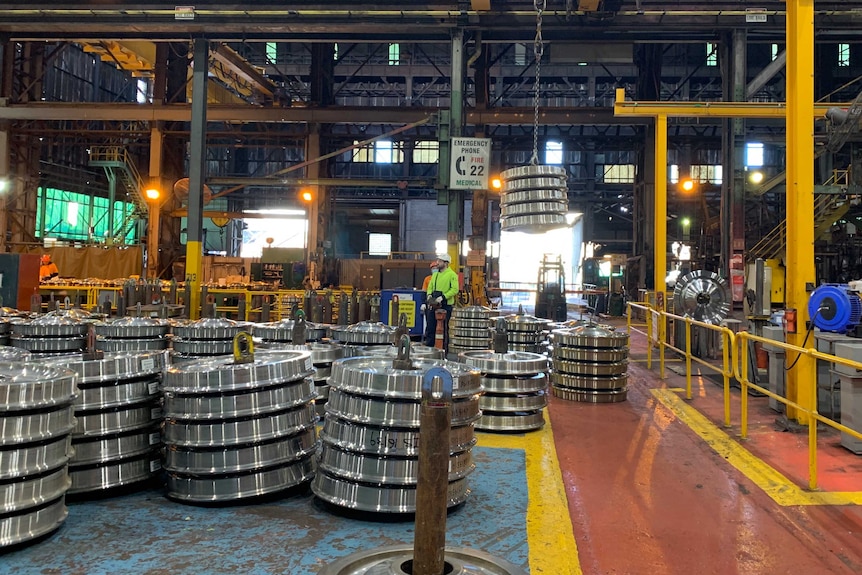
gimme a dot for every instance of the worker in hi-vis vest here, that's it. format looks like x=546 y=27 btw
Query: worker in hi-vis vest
x=440 y=293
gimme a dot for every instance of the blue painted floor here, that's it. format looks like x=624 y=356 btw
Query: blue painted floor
x=146 y=533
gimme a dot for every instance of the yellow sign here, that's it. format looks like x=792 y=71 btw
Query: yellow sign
x=402 y=303
x=408 y=308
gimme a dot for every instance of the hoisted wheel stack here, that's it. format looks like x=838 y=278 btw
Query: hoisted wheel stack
x=533 y=199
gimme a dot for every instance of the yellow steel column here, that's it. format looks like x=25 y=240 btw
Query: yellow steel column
x=155 y=205
x=800 y=192
x=660 y=238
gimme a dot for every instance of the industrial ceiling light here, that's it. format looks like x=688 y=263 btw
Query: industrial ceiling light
x=534 y=198
x=687 y=185
x=152 y=194
x=755 y=177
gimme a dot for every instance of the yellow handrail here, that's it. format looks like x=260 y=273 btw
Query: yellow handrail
x=741 y=373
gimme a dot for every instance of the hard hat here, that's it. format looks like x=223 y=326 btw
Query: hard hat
x=444 y=258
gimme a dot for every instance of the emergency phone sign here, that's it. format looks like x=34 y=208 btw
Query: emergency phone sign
x=469 y=165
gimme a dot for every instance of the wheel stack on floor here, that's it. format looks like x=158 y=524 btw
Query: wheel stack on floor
x=132 y=334
x=207 y=337
x=118 y=411
x=364 y=333
x=470 y=329
x=515 y=385
x=239 y=430
x=54 y=333
x=590 y=364
x=370 y=436
x=282 y=331
x=527 y=332
x=36 y=420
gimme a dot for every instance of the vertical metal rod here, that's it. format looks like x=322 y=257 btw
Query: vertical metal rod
x=688 y=358
x=743 y=384
x=435 y=416
x=728 y=361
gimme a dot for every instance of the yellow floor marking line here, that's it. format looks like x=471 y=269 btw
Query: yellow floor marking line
x=550 y=535
x=777 y=486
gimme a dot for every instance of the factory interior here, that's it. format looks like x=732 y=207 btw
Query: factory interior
x=605 y=254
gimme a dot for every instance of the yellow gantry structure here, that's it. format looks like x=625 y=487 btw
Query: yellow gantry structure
x=800 y=112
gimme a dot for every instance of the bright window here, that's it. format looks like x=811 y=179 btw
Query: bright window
x=711 y=54
x=426 y=152
x=271 y=52
x=70 y=216
x=394 y=54
x=554 y=153
x=754 y=154
x=387 y=152
x=774 y=51
x=285 y=232
x=616 y=173
x=674 y=174
x=707 y=174
x=379 y=244
x=363 y=154
x=843 y=55
x=520 y=54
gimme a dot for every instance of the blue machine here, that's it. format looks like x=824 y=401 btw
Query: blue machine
x=835 y=308
x=394 y=302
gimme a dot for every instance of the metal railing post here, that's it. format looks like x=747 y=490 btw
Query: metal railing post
x=688 y=358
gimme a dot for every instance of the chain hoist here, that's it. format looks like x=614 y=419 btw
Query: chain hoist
x=538 y=51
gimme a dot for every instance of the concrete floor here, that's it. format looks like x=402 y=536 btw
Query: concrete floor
x=144 y=532
x=654 y=485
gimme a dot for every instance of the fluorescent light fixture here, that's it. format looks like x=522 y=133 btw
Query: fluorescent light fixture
x=276 y=212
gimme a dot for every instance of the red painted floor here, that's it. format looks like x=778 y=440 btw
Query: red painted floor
x=648 y=496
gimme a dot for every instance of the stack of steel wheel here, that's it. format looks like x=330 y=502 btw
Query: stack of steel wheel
x=282 y=331
x=50 y=334
x=417 y=351
x=515 y=385
x=527 y=332
x=323 y=353
x=237 y=430
x=371 y=433
x=119 y=412
x=590 y=364
x=36 y=419
x=5 y=331
x=362 y=334
x=204 y=338
x=132 y=334
x=533 y=199
x=470 y=329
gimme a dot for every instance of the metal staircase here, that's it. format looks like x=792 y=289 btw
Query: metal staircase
x=119 y=167
x=828 y=208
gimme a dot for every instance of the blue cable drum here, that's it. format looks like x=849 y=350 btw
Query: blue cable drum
x=840 y=309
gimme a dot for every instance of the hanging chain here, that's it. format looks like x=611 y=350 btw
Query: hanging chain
x=539 y=50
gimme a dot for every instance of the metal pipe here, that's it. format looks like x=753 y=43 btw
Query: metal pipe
x=435 y=415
